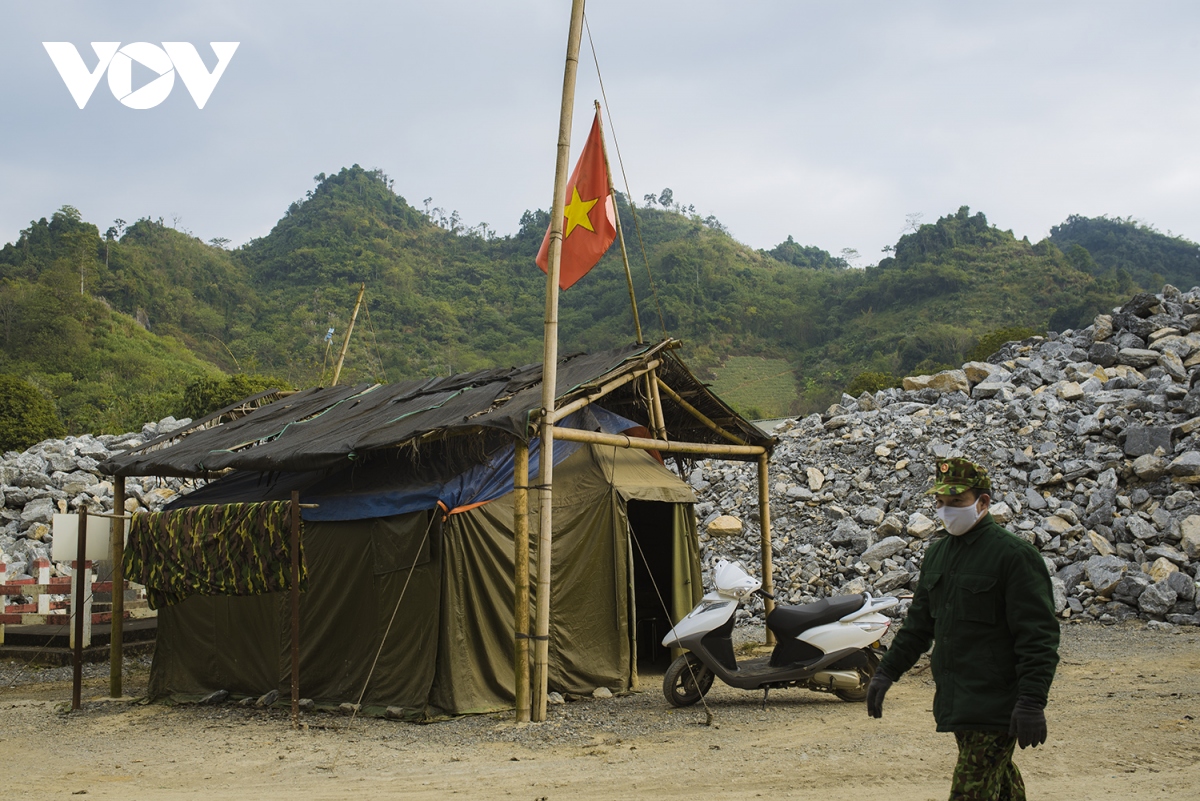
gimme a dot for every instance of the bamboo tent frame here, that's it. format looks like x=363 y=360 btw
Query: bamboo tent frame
x=485 y=410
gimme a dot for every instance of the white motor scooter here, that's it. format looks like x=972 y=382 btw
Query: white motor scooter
x=829 y=646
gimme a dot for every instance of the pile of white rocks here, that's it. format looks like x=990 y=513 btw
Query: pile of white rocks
x=56 y=476
x=1092 y=438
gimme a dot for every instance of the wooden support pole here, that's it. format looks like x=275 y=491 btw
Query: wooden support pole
x=696 y=413
x=641 y=443
x=521 y=578
x=764 y=521
x=295 y=598
x=550 y=368
x=337 y=371
x=660 y=420
x=116 y=636
x=77 y=610
x=637 y=322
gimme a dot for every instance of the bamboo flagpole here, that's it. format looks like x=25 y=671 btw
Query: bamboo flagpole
x=550 y=367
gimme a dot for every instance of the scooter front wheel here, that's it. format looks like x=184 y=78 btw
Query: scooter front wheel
x=687 y=680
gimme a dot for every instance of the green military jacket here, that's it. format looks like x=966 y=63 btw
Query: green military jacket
x=985 y=598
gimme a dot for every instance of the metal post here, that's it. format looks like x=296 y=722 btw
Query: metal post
x=295 y=593
x=764 y=519
x=116 y=637
x=77 y=609
x=521 y=577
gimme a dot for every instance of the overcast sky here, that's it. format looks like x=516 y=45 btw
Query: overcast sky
x=827 y=121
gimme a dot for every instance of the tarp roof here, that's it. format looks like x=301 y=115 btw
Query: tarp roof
x=357 y=492
x=322 y=428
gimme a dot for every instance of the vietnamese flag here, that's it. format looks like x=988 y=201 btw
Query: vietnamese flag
x=589 y=218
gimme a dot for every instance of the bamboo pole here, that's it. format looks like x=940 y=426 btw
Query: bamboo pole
x=77 y=609
x=337 y=371
x=699 y=415
x=658 y=424
x=656 y=405
x=116 y=637
x=521 y=577
x=637 y=322
x=643 y=444
x=764 y=520
x=550 y=366
x=616 y=383
x=295 y=608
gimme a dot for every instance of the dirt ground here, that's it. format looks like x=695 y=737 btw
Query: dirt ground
x=1122 y=720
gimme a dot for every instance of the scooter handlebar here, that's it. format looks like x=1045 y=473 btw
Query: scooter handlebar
x=764 y=593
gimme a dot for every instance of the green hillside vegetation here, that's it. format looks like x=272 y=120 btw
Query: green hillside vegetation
x=116 y=326
x=105 y=371
x=760 y=388
x=1128 y=252
x=27 y=415
x=949 y=285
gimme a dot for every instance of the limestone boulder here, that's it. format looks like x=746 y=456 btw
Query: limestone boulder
x=725 y=526
x=1104 y=572
x=920 y=526
x=944 y=382
x=1189 y=541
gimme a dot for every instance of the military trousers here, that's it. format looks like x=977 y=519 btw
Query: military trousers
x=985 y=770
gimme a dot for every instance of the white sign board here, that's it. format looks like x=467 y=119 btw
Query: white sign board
x=65 y=547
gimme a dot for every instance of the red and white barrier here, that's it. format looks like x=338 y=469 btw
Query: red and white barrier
x=46 y=611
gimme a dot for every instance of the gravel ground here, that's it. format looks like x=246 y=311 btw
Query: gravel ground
x=1121 y=717
x=15 y=674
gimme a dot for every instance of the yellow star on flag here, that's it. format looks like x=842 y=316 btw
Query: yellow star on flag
x=576 y=212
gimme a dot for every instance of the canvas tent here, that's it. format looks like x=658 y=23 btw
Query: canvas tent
x=414 y=491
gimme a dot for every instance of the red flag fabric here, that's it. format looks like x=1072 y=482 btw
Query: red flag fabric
x=589 y=218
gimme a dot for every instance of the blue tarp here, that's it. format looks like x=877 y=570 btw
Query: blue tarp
x=482 y=483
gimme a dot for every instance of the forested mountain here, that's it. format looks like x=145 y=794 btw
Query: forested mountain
x=1129 y=251
x=61 y=332
x=115 y=326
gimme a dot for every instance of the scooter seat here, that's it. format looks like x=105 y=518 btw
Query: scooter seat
x=789 y=621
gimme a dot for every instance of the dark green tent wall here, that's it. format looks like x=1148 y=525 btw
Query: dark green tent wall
x=450 y=647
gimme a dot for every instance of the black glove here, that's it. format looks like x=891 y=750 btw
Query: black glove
x=878 y=688
x=1028 y=722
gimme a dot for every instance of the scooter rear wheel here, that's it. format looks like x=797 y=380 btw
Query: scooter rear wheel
x=865 y=663
x=687 y=680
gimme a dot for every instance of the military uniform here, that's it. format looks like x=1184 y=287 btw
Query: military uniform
x=985 y=598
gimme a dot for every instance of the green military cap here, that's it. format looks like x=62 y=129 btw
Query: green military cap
x=956 y=475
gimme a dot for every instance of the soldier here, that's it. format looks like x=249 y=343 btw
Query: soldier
x=984 y=596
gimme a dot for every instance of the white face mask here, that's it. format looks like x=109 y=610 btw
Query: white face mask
x=959 y=520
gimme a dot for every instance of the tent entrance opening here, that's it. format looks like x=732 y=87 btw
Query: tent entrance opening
x=652 y=524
